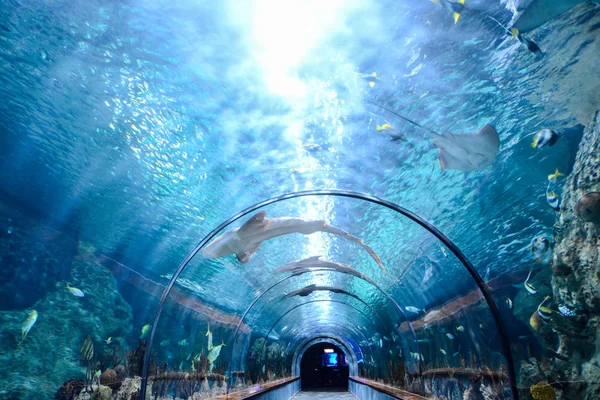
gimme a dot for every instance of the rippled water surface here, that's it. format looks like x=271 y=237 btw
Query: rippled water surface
x=139 y=126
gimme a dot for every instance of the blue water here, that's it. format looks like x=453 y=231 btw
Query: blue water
x=130 y=130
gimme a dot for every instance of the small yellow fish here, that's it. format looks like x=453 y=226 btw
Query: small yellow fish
x=145 y=331
x=97 y=374
x=28 y=324
x=75 y=291
x=384 y=126
x=109 y=340
x=555 y=175
x=443 y=351
x=460 y=328
x=371 y=78
x=444 y=252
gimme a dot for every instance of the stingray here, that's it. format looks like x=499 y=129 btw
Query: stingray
x=245 y=240
x=314 y=263
x=305 y=291
x=462 y=151
x=541 y=11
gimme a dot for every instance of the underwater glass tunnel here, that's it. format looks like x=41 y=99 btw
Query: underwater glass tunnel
x=300 y=199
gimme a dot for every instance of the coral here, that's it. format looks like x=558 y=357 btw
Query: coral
x=588 y=207
x=109 y=378
x=135 y=359
x=52 y=348
x=542 y=391
x=130 y=389
x=121 y=372
x=102 y=393
x=69 y=390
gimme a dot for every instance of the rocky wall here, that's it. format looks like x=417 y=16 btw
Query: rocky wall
x=50 y=353
x=575 y=373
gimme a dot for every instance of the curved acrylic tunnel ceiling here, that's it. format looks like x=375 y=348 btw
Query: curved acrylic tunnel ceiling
x=391 y=251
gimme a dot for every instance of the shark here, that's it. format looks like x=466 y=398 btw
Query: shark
x=313 y=263
x=245 y=240
x=538 y=12
x=305 y=291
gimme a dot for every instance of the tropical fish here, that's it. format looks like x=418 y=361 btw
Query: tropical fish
x=27 y=324
x=381 y=343
x=545 y=312
x=371 y=78
x=450 y=336
x=145 y=331
x=444 y=252
x=74 y=291
x=97 y=374
x=455 y=7
x=528 y=286
x=535 y=321
x=108 y=340
x=87 y=350
x=311 y=147
x=462 y=152
x=165 y=342
x=213 y=354
x=541 y=11
x=455 y=354
x=526 y=41
x=480 y=326
x=442 y=351
x=210 y=338
x=386 y=338
x=545 y=137
x=413 y=309
x=552 y=199
x=539 y=247
x=245 y=240
x=312 y=263
x=428 y=274
x=426 y=340
x=417 y=356
x=509 y=303
x=183 y=342
x=553 y=177
x=487 y=275
x=392 y=132
x=460 y=328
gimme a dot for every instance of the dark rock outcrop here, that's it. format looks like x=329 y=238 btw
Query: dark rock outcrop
x=576 y=278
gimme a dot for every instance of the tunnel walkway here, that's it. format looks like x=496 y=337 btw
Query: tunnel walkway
x=324 y=395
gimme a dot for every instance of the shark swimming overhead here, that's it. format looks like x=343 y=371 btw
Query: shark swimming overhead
x=245 y=240
x=315 y=263
x=305 y=291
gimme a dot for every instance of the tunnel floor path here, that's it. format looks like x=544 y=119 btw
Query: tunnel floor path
x=324 y=395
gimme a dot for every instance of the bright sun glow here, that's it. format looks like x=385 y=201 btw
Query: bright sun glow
x=284 y=32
